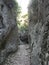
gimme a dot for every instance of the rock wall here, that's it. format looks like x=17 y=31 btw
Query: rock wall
x=8 y=29
x=39 y=31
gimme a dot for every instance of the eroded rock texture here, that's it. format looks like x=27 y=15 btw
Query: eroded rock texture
x=8 y=29
x=39 y=31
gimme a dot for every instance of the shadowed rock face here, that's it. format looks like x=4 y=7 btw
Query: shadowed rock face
x=39 y=31
x=8 y=31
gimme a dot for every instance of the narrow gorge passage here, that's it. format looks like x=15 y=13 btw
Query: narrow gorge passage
x=21 y=57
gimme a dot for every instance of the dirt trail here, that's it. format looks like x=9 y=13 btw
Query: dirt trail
x=21 y=57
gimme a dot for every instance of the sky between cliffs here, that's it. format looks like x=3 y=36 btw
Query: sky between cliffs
x=24 y=5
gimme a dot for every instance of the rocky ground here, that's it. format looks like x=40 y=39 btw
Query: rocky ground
x=21 y=57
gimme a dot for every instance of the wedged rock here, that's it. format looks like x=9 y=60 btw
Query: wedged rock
x=24 y=38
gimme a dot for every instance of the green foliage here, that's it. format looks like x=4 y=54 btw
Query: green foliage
x=24 y=16
x=17 y=8
x=23 y=22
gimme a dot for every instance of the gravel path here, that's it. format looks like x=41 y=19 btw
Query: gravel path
x=21 y=57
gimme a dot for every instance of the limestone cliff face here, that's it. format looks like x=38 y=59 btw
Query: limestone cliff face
x=39 y=31
x=8 y=30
